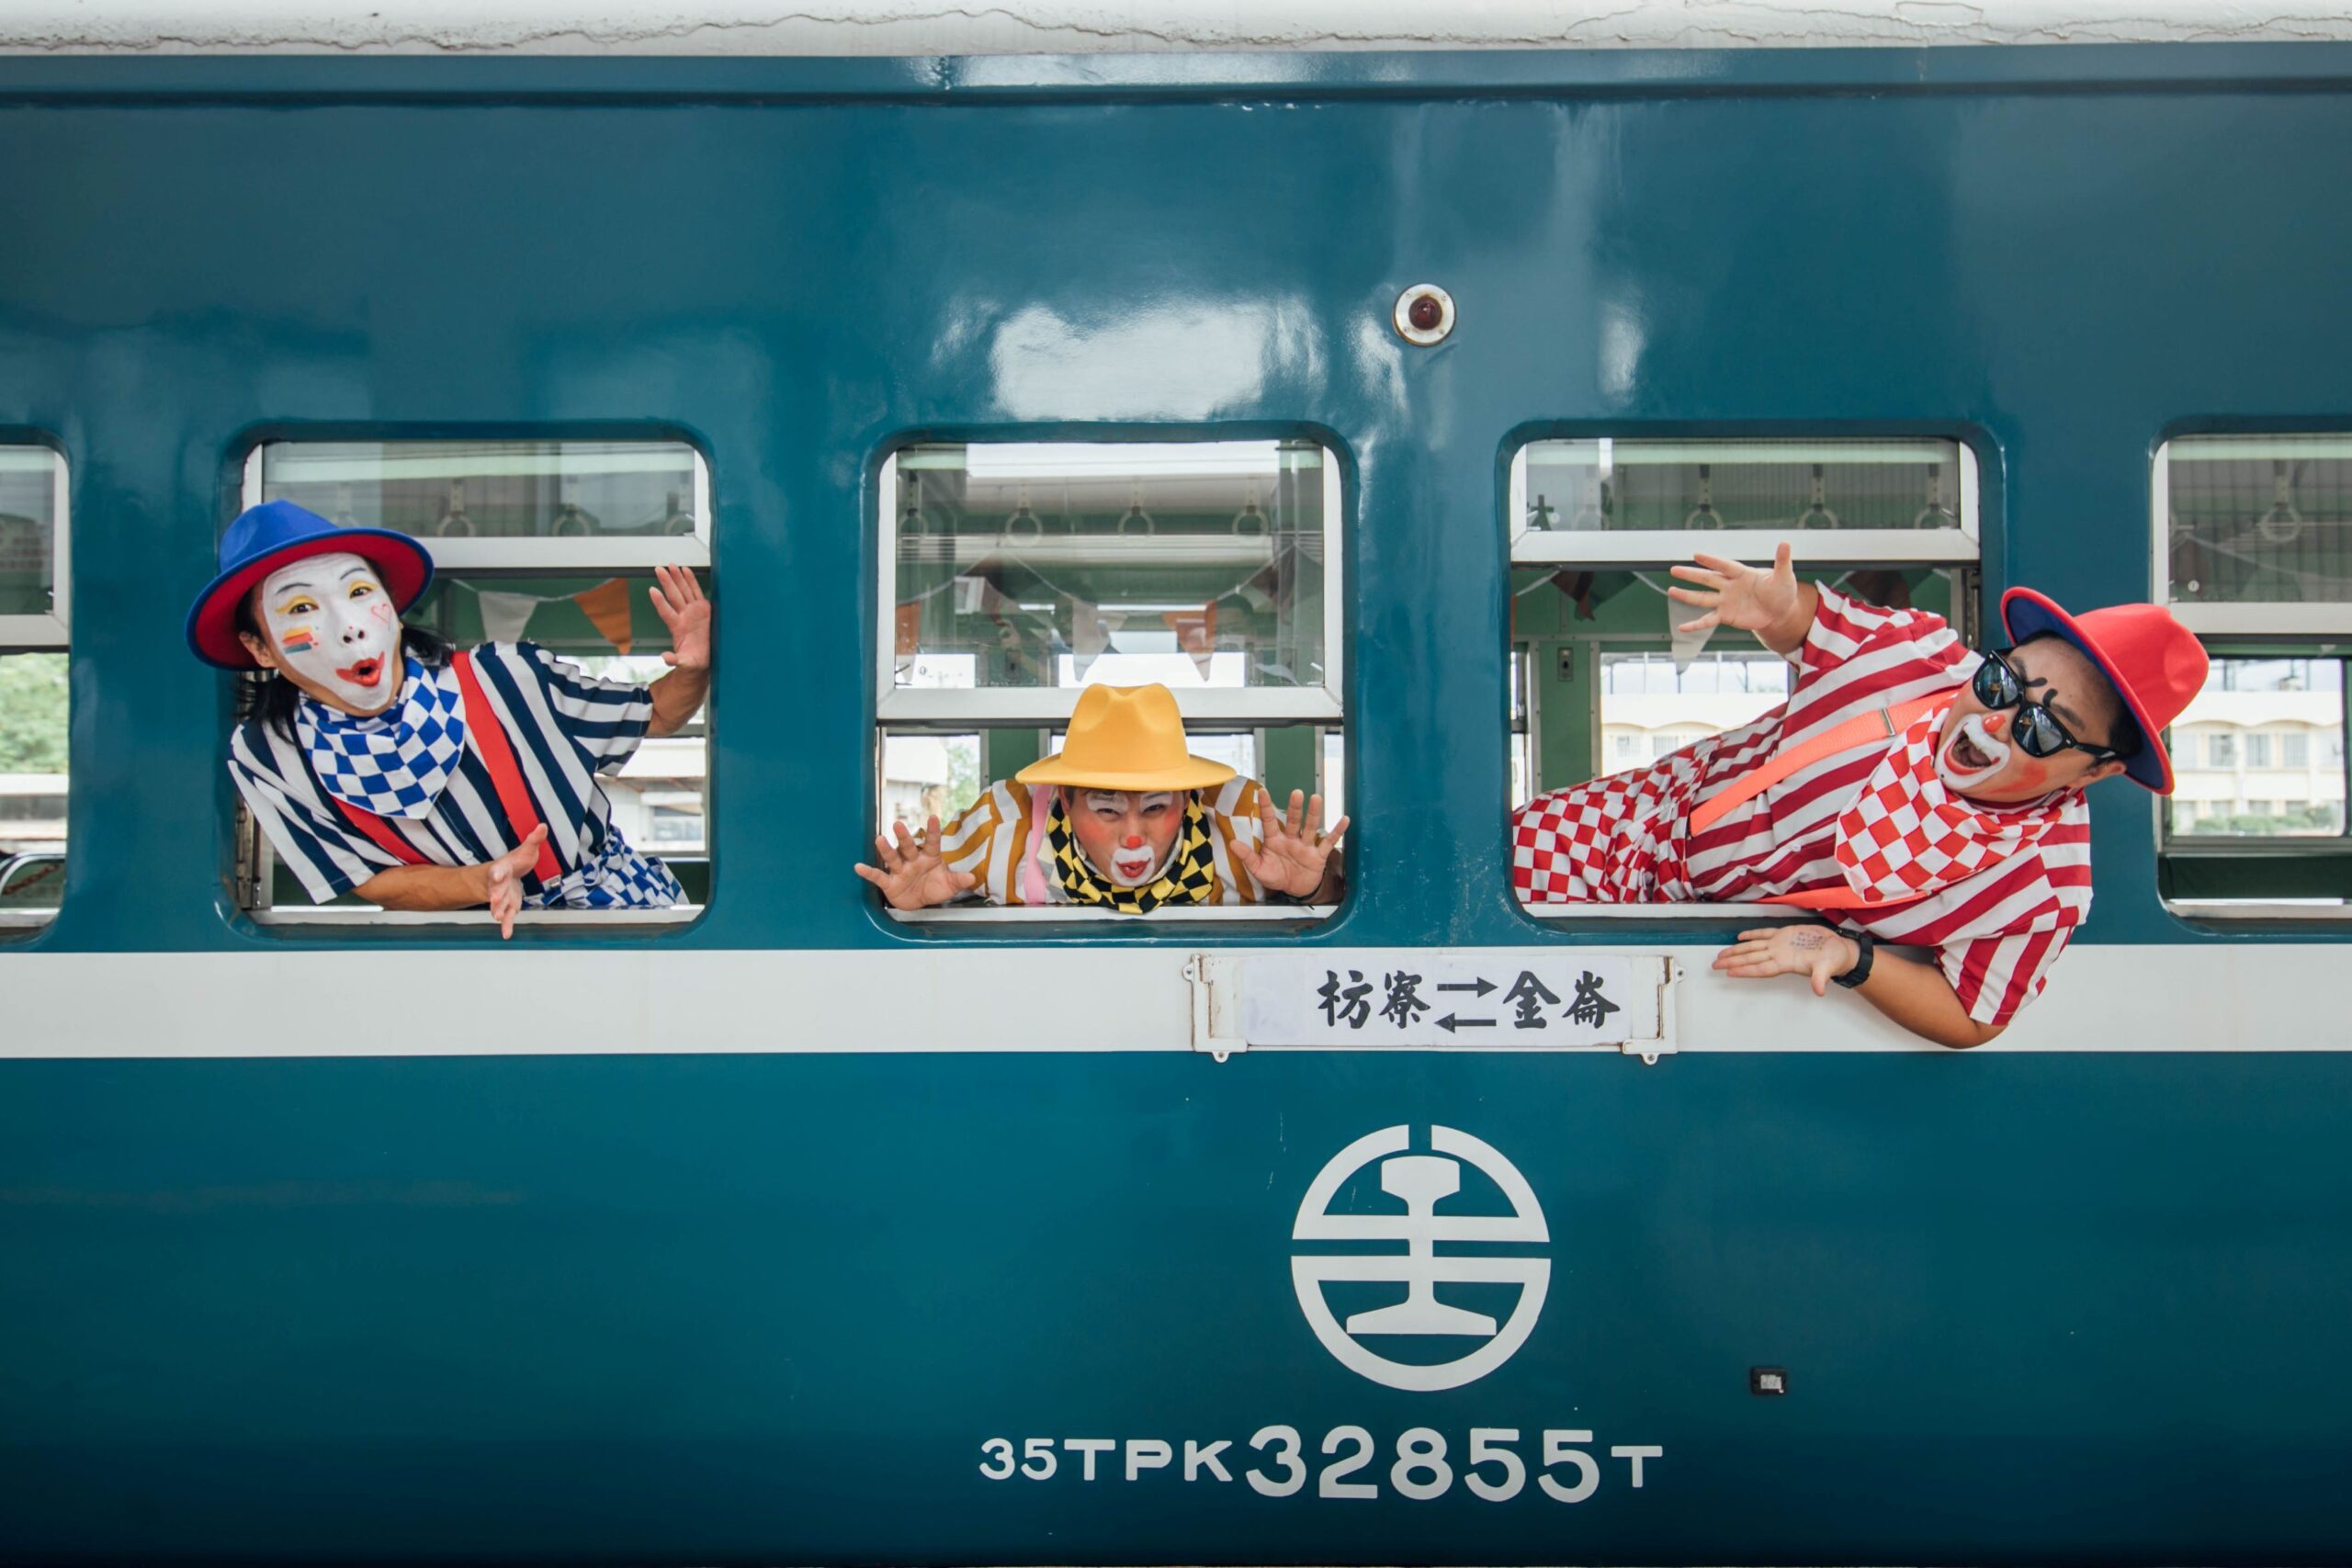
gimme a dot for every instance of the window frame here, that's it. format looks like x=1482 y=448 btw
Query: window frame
x=548 y=557
x=52 y=632
x=1959 y=549
x=898 y=706
x=256 y=857
x=49 y=633
x=1652 y=546
x=2273 y=627
x=958 y=711
x=2257 y=618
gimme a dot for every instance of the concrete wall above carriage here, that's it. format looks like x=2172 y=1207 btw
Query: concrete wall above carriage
x=1085 y=27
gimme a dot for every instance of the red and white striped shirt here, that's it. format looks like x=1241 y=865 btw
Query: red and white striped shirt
x=1626 y=838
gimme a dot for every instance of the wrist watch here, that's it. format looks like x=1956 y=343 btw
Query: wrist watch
x=1867 y=946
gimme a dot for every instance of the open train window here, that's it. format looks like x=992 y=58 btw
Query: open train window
x=553 y=542
x=1602 y=683
x=34 y=566
x=1015 y=573
x=2254 y=553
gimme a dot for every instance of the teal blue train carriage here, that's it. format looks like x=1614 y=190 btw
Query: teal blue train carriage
x=1364 y=399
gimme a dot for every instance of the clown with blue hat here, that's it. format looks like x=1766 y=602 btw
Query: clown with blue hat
x=380 y=762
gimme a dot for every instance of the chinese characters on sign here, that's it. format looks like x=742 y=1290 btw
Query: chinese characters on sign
x=1420 y=997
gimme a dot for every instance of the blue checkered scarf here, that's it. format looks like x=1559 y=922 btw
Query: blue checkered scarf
x=394 y=763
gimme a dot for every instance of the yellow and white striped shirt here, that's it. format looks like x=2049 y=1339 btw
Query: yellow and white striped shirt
x=991 y=837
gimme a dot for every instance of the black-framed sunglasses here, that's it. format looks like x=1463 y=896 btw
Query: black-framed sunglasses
x=2040 y=732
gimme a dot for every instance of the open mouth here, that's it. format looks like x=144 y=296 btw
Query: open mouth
x=1969 y=753
x=1131 y=868
x=366 y=673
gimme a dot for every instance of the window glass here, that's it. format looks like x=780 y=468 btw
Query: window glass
x=32 y=780
x=1203 y=566
x=1594 y=486
x=2257 y=519
x=547 y=541
x=30 y=498
x=33 y=684
x=2243 y=752
x=497 y=489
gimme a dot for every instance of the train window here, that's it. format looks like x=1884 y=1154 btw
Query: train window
x=1017 y=572
x=2254 y=553
x=33 y=633
x=553 y=542
x=1602 y=683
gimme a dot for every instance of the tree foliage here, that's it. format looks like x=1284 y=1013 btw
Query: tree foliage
x=32 y=713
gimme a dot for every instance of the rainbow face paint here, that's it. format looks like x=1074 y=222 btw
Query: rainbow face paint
x=335 y=631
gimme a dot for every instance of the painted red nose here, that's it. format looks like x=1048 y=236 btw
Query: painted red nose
x=1135 y=842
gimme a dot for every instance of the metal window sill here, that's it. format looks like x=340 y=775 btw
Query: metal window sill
x=368 y=915
x=1066 y=914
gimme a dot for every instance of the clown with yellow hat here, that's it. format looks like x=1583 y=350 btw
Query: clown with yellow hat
x=1124 y=818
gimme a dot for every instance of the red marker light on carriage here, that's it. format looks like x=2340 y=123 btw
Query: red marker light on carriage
x=1423 y=314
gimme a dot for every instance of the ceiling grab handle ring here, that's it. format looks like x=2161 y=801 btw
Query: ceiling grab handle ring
x=1022 y=526
x=1137 y=523
x=2283 y=523
x=1935 y=514
x=1818 y=514
x=1704 y=515
x=1251 y=523
x=455 y=523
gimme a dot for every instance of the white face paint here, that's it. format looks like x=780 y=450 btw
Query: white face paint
x=1128 y=837
x=332 y=623
x=1969 y=757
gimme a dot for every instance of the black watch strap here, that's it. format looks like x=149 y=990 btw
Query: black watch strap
x=1861 y=969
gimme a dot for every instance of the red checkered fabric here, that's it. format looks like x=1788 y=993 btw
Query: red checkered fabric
x=1906 y=833
x=1611 y=840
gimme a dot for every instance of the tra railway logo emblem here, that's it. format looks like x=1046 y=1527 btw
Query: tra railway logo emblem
x=1421 y=1182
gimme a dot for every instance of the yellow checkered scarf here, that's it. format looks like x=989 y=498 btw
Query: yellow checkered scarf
x=1191 y=877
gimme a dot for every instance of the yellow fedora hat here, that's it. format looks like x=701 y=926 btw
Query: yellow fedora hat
x=1127 y=738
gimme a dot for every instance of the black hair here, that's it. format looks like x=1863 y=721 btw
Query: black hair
x=267 y=695
x=2124 y=736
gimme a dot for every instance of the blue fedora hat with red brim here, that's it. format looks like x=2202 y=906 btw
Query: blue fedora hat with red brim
x=276 y=534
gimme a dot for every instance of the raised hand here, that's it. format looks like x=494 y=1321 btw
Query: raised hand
x=1816 y=952
x=679 y=601
x=913 y=873
x=502 y=880
x=1748 y=598
x=1295 y=853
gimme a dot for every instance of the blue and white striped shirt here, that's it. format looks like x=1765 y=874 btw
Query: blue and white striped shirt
x=565 y=726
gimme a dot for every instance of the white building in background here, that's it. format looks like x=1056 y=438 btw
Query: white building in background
x=32 y=812
x=2260 y=755
x=1638 y=728
x=657 y=796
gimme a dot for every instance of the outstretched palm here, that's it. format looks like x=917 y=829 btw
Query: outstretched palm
x=913 y=873
x=679 y=601
x=1296 y=854
x=1747 y=598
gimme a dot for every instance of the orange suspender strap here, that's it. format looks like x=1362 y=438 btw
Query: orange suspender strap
x=498 y=755
x=1878 y=725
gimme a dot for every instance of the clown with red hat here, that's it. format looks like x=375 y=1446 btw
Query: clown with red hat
x=380 y=762
x=1911 y=791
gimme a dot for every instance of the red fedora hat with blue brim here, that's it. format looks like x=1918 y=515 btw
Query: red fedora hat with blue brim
x=2155 y=664
x=277 y=534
